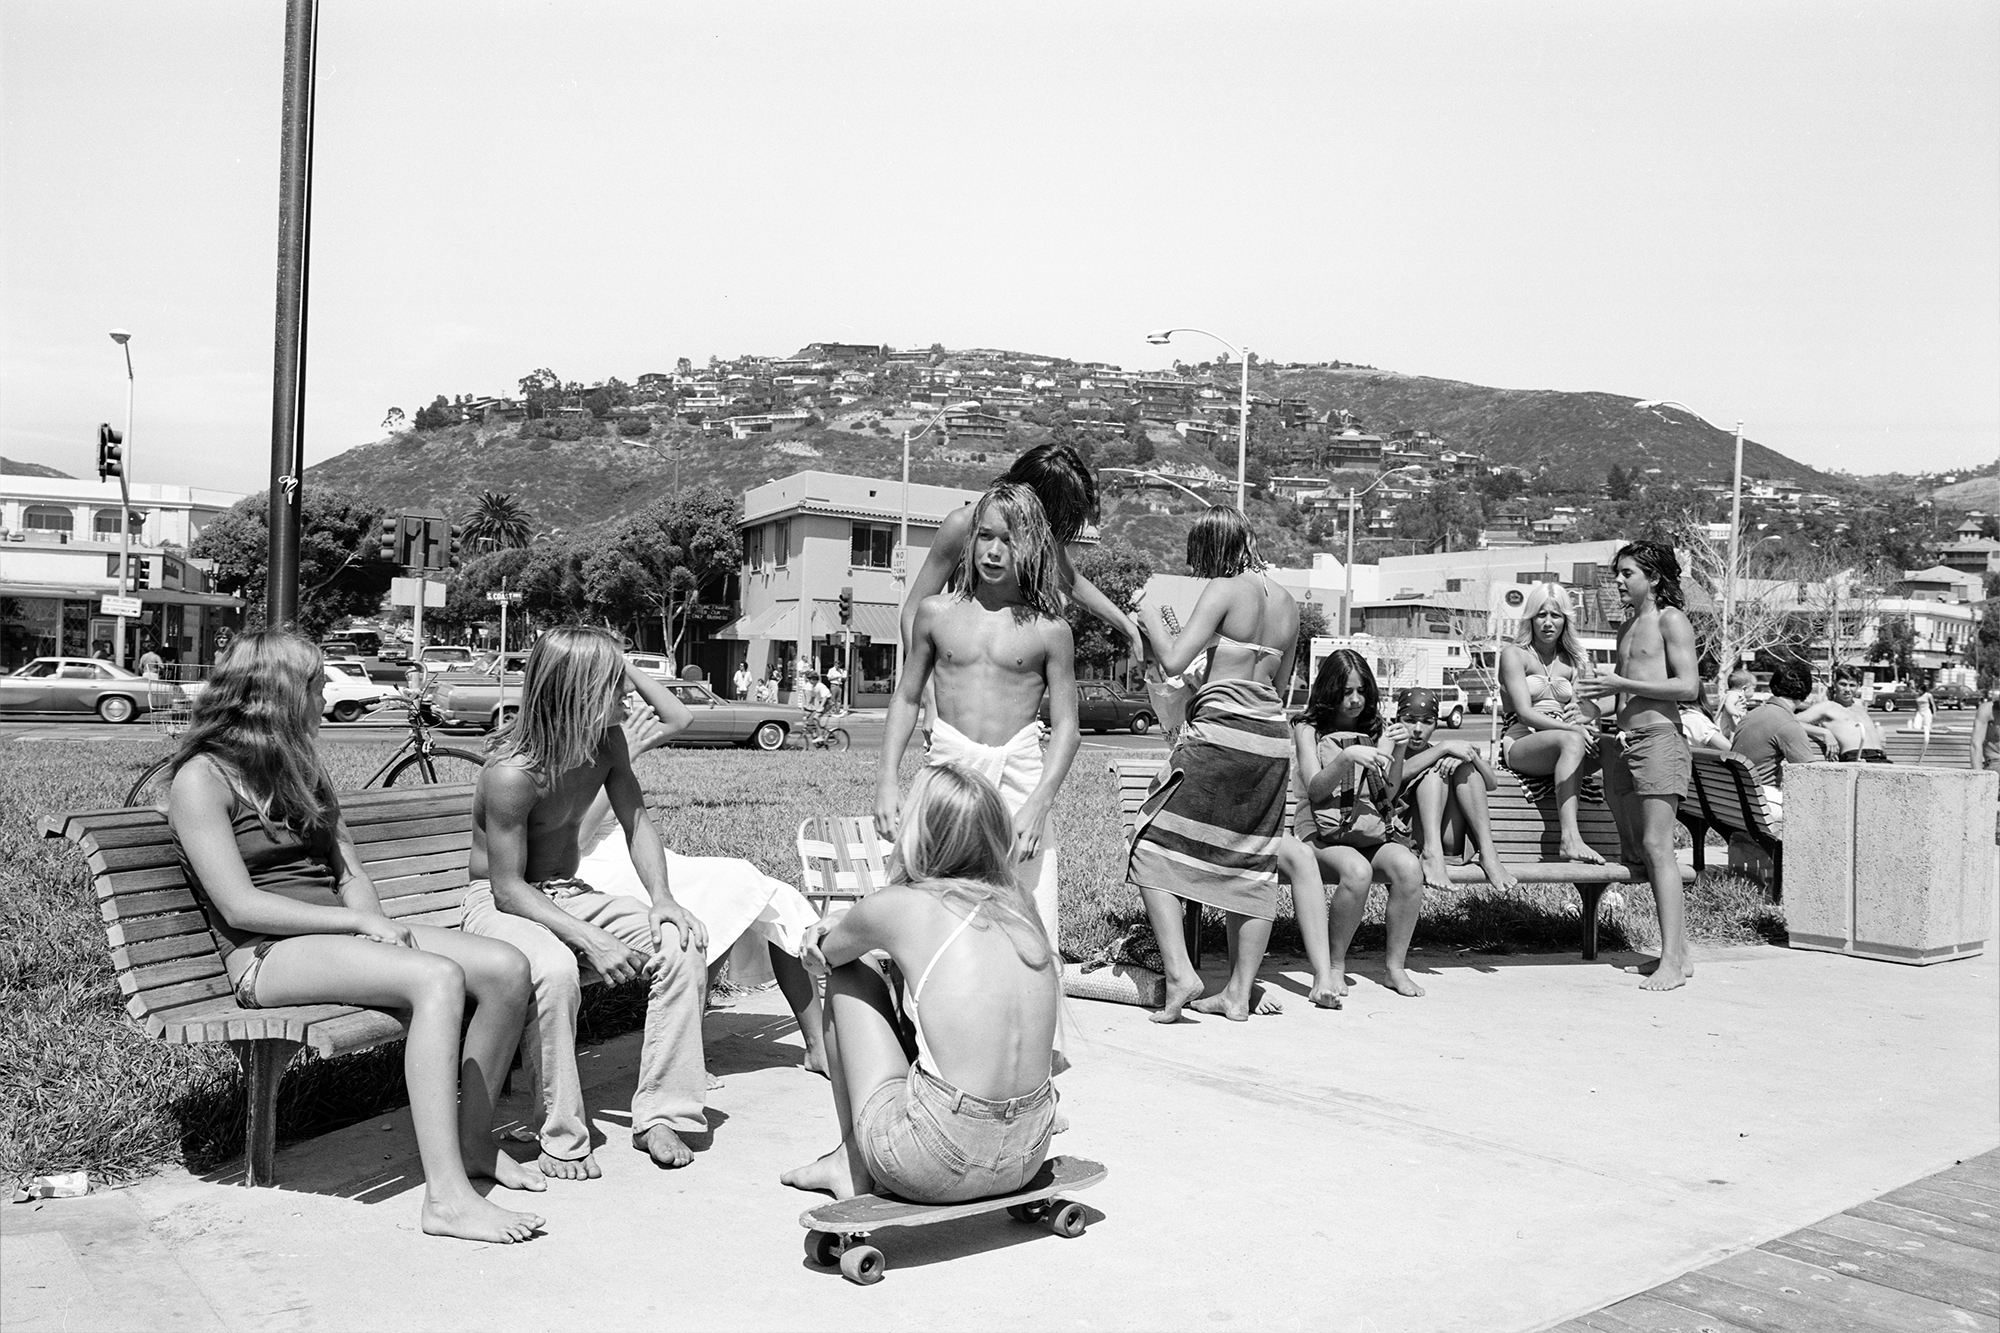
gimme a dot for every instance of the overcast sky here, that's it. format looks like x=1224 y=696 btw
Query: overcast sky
x=1783 y=212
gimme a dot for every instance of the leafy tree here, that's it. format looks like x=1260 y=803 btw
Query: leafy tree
x=1143 y=451
x=439 y=413
x=1987 y=645
x=1895 y=643
x=337 y=577
x=394 y=420
x=497 y=520
x=466 y=588
x=1312 y=625
x=1618 y=483
x=1437 y=516
x=539 y=390
x=1119 y=570
x=662 y=558
x=598 y=403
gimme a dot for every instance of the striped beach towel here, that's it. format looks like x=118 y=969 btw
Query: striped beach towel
x=1209 y=829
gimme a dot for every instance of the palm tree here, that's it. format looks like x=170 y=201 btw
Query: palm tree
x=497 y=520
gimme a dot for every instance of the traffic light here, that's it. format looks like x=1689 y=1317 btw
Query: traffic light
x=410 y=541
x=847 y=606
x=391 y=530
x=110 y=452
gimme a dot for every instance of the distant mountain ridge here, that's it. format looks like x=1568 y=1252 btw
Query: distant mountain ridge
x=13 y=468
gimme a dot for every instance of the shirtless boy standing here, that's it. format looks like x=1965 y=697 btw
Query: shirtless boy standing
x=564 y=746
x=1653 y=768
x=995 y=644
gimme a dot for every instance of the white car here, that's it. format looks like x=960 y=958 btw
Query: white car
x=653 y=664
x=349 y=692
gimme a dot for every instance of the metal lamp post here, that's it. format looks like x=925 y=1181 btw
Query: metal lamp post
x=1735 y=515
x=1161 y=337
x=1154 y=476
x=124 y=341
x=1353 y=497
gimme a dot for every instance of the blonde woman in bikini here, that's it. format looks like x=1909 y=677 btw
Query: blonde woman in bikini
x=1548 y=725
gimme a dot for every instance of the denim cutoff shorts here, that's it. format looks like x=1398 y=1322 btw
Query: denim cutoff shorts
x=926 y=1141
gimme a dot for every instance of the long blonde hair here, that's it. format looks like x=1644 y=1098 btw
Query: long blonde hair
x=1036 y=567
x=957 y=841
x=575 y=678
x=255 y=721
x=1539 y=596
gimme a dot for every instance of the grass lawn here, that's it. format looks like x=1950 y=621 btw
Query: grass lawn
x=82 y=1087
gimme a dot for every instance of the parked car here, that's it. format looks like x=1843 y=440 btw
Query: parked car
x=349 y=691
x=1451 y=703
x=653 y=664
x=472 y=697
x=343 y=650
x=436 y=658
x=1102 y=706
x=725 y=722
x=1891 y=696
x=1480 y=690
x=1955 y=696
x=84 y=685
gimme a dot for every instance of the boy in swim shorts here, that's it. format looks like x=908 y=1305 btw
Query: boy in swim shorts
x=1651 y=769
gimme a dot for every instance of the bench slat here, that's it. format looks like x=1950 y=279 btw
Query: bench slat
x=416 y=904
x=123 y=933
x=395 y=848
x=403 y=885
x=145 y=904
x=139 y=881
x=146 y=953
x=445 y=821
x=397 y=867
x=152 y=999
x=165 y=976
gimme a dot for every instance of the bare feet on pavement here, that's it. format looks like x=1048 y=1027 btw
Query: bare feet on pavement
x=1237 y=1010
x=1177 y=998
x=1659 y=976
x=1400 y=982
x=1497 y=873
x=664 y=1147
x=473 y=1218
x=1326 y=991
x=563 y=1168
x=831 y=1174
x=504 y=1171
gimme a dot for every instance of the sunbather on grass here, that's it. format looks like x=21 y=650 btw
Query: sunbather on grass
x=295 y=917
x=972 y=1113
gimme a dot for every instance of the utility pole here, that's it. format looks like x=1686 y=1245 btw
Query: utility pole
x=288 y=396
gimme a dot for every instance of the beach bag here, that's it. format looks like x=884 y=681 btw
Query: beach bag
x=1360 y=810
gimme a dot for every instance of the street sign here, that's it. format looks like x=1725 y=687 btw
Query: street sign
x=122 y=606
x=405 y=592
x=899 y=561
x=510 y=598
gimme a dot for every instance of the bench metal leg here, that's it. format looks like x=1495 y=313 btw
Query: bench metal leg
x=1191 y=930
x=264 y=1064
x=1592 y=895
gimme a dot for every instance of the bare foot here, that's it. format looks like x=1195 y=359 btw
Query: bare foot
x=1400 y=982
x=473 y=1218
x=1437 y=877
x=1178 y=997
x=1658 y=976
x=713 y=1081
x=504 y=1171
x=565 y=1168
x=1496 y=870
x=832 y=1174
x=664 y=1147
x=1223 y=1005
x=1327 y=990
x=1262 y=1002
x=1576 y=849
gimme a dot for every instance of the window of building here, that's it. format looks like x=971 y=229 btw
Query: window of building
x=105 y=523
x=753 y=549
x=781 y=542
x=49 y=518
x=872 y=546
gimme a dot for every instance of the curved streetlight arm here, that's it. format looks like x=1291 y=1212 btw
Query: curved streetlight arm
x=1160 y=338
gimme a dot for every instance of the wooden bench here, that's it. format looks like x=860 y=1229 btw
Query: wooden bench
x=1731 y=803
x=1525 y=833
x=414 y=842
x=1948 y=749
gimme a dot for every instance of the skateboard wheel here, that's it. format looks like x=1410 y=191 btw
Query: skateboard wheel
x=862 y=1265
x=1027 y=1212
x=1067 y=1220
x=823 y=1248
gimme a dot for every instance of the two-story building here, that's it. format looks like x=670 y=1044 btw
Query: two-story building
x=59 y=542
x=809 y=537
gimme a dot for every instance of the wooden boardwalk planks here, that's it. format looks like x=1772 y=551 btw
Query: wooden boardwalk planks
x=1921 y=1258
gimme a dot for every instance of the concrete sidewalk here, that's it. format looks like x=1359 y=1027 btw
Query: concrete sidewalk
x=1535 y=1139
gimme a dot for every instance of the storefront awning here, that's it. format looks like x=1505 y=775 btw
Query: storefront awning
x=770 y=623
x=159 y=596
x=874 y=620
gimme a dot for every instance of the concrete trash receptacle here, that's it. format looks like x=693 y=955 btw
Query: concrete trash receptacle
x=1889 y=861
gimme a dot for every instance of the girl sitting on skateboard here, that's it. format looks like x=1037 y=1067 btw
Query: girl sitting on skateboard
x=971 y=1116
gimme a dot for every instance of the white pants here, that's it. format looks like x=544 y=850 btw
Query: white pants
x=1016 y=769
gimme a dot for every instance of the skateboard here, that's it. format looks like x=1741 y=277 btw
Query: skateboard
x=834 y=1230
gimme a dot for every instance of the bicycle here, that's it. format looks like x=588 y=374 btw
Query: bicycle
x=818 y=736
x=418 y=761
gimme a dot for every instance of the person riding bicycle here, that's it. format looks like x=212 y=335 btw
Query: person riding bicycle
x=815 y=697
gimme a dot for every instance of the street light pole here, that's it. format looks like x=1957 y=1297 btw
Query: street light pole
x=1347 y=598
x=1160 y=338
x=1735 y=525
x=124 y=341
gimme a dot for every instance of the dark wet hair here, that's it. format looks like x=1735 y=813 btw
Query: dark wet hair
x=1341 y=667
x=1061 y=480
x=1791 y=680
x=1221 y=545
x=1657 y=561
